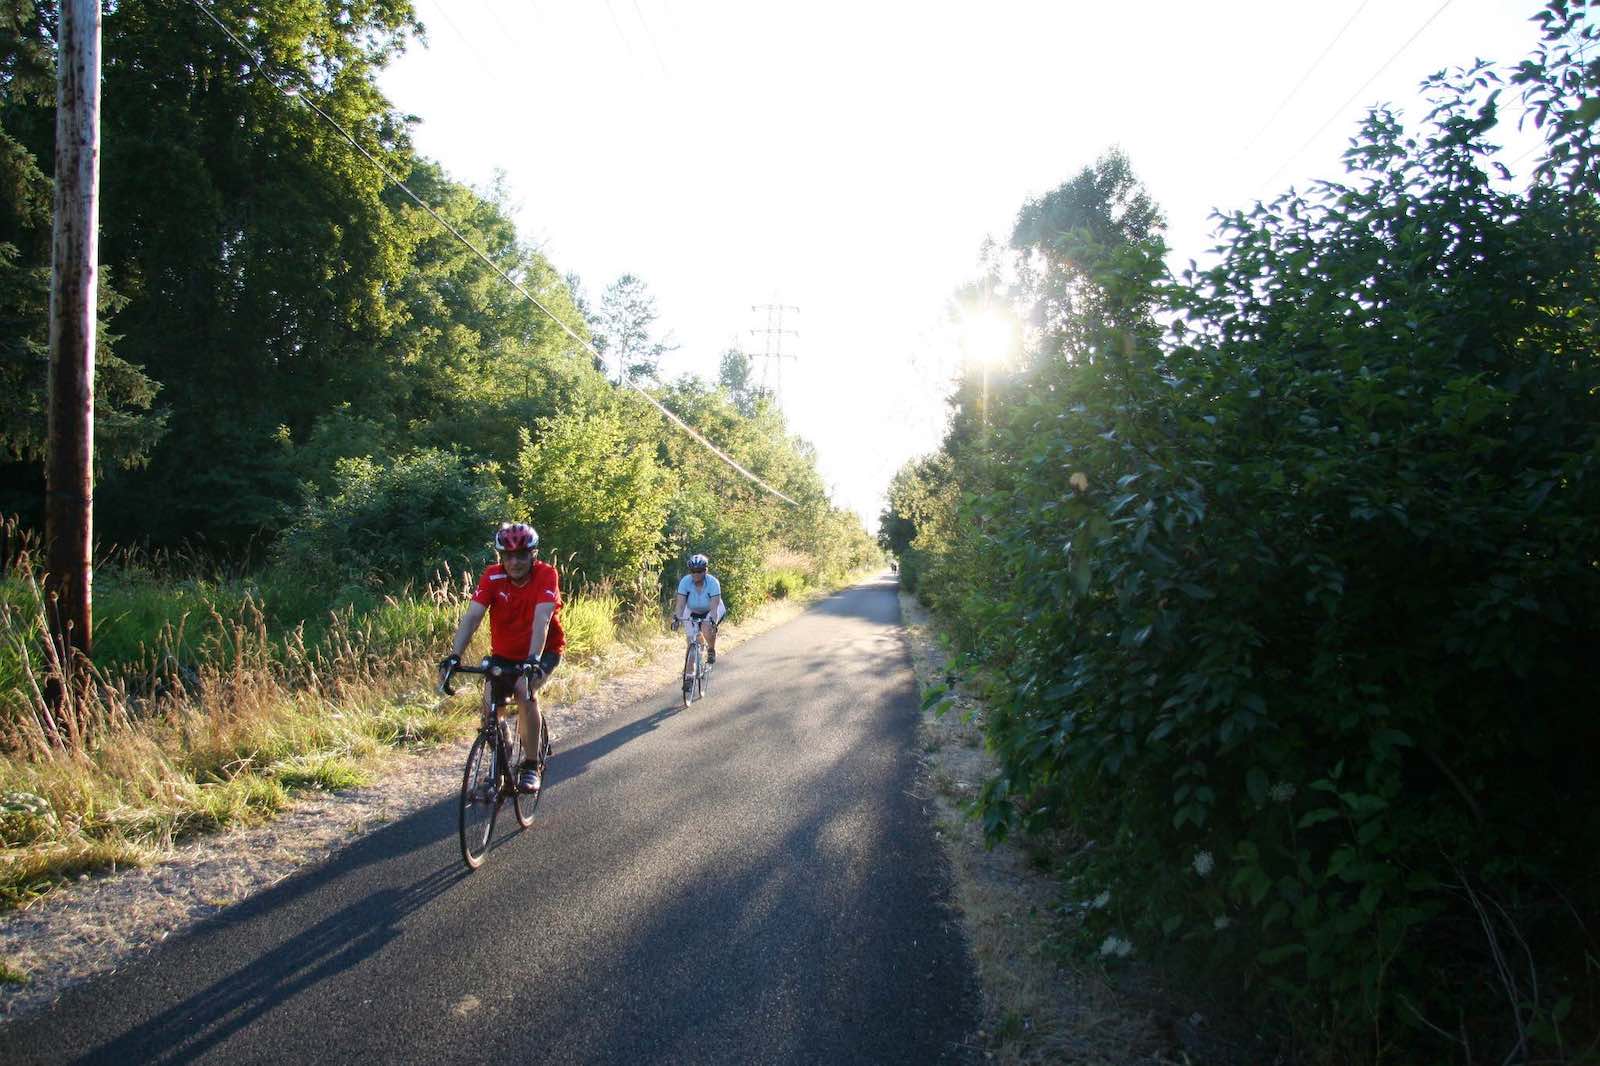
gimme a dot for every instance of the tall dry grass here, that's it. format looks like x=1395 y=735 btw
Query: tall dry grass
x=213 y=697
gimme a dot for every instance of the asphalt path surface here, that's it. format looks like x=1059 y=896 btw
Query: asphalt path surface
x=750 y=880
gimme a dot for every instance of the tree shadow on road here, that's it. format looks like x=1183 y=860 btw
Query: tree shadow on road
x=209 y=1017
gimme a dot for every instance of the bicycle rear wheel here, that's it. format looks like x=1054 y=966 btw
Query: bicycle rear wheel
x=480 y=800
x=524 y=803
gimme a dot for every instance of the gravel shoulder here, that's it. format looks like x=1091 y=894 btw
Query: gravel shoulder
x=96 y=925
x=1037 y=1008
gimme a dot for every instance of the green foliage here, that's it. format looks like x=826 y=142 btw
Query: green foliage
x=311 y=333
x=320 y=772
x=417 y=515
x=25 y=818
x=624 y=330
x=734 y=538
x=595 y=493
x=1284 y=606
x=918 y=520
x=590 y=624
x=125 y=427
x=784 y=584
x=419 y=622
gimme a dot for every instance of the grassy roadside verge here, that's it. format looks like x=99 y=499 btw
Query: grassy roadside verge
x=1037 y=1007
x=236 y=741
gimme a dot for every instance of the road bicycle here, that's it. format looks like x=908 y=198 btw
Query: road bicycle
x=695 y=670
x=495 y=759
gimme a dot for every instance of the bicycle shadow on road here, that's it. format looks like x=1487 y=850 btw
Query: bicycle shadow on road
x=568 y=763
x=276 y=970
x=209 y=1017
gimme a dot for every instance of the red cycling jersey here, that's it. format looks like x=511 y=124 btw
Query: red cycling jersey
x=511 y=609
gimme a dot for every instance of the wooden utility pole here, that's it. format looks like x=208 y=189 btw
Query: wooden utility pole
x=69 y=468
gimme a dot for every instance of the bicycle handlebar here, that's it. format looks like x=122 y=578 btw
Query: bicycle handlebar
x=487 y=667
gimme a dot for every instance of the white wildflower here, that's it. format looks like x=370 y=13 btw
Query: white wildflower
x=1079 y=481
x=1221 y=922
x=1204 y=863
x=1101 y=900
x=1116 y=946
x=1282 y=792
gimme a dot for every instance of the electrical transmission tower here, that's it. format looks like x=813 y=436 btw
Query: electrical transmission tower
x=773 y=355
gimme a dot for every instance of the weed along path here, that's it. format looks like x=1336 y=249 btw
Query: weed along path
x=750 y=880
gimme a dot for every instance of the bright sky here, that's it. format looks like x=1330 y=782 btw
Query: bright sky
x=849 y=158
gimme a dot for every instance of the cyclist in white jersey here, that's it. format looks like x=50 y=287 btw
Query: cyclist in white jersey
x=700 y=595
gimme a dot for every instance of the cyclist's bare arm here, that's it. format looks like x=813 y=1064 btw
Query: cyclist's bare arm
x=541 y=629
x=469 y=625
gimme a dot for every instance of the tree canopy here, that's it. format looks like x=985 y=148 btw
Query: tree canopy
x=289 y=343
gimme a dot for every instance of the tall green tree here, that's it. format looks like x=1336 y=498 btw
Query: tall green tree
x=258 y=281
x=127 y=426
x=624 y=328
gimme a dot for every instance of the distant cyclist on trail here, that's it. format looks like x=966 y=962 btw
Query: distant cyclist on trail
x=701 y=594
x=522 y=595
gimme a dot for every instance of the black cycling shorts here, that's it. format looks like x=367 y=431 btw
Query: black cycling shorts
x=703 y=616
x=505 y=686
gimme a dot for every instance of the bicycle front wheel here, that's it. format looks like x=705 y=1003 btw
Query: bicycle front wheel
x=480 y=801
x=691 y=673
x=525 y=802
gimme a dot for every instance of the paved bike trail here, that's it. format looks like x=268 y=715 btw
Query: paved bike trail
x=750 y=880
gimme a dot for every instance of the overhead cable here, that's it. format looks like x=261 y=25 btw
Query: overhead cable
x=1339 y=111
x=1312 y=69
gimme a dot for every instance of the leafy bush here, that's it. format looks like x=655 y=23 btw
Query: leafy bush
x=595 y=500
x=590 y=624
x=733 y=537
x=387 y=523
x=783 y=584
x=1285 y=609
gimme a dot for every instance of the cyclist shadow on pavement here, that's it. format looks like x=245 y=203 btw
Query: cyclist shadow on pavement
x=568 y=763
x=209 y=1017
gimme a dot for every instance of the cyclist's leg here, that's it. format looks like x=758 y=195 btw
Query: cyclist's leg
x=532 y=724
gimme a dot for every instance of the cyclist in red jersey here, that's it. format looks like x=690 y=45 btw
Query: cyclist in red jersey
x=522 y=596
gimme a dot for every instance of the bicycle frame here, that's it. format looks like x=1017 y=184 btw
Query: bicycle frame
x=495 y=739
x=694 y=664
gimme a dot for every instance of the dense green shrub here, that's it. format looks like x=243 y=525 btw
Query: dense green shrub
x=783 y=584
x=392 y=523
x=597 y=497
x=734 y=538
x=589 y=623
x=1287 y=608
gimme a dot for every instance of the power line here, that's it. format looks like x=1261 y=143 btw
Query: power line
x=1312 y=69
x=1339 y=111
x=618 y=24
x=487 y=65
x=651 y=37
x=498 y=21
x=295 y=94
